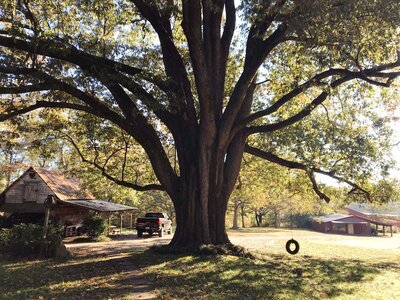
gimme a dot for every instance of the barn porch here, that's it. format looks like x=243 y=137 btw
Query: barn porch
x=384 y=227
x=106 y=209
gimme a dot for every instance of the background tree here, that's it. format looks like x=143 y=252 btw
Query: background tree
x=182 y=74
x=273 y=193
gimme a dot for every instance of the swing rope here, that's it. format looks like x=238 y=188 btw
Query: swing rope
x=292 y=241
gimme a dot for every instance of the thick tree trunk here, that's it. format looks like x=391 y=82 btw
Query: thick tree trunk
x=190 y=227
x=196 y=226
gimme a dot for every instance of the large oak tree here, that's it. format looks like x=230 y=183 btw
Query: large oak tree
x=201 y=76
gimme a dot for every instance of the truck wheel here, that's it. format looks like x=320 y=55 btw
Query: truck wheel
x=150 y=233
x=169 y=230
x=139 y=233
x=161 y=232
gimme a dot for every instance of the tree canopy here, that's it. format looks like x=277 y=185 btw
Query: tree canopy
x=298 y=83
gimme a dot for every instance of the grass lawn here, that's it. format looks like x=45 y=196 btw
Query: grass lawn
x=324 y=269
x=327 y=267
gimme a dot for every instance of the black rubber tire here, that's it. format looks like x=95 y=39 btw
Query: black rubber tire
x=161 y=232
x=296 y=248
x=169 y=231
x=150 y=233
x=139 y=233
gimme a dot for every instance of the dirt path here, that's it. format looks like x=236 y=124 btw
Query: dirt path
x=116 y=251
x=122 y=244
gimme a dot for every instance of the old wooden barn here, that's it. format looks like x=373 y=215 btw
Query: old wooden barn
x=23 y=200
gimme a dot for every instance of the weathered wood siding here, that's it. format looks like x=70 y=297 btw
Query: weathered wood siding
x=69 y=215
x=28 y=189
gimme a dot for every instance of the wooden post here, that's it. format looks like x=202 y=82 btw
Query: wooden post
x=49 y=203
x=120 y=222
x=391 y=231
x=44 y=233
x=384 y=230
x=131 y=224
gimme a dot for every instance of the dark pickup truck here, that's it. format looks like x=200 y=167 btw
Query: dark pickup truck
x=154 y=222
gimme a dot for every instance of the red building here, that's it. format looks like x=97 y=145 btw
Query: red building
x=342 y=224
x=385 y=217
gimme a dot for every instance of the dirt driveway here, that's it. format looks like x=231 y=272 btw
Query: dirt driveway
x=121 y=244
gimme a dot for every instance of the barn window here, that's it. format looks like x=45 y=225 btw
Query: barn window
x=31 y=192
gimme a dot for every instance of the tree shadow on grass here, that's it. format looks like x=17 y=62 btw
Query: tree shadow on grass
x=278 y=277
x=102 y=278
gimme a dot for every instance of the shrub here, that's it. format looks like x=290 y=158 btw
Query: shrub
x=2 y=221
x=95 y=225
x=55 y=235
x=302 y=221
x=27 y=239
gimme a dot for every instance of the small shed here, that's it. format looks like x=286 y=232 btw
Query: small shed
x=24 y=199
x=343 y=224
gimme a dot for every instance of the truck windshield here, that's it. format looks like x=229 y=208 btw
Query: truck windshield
x=154 y=215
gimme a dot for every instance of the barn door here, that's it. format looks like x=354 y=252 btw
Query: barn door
x=351 y=229
x=31 y=192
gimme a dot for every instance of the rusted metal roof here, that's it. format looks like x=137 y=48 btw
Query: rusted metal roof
x=101 y=206
x=64 y=188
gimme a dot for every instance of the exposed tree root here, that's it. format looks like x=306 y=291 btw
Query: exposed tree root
x=225 y=249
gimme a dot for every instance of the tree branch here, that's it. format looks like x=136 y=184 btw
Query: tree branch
x=257 y=51
x=173 y=61
x=60 y=50
x=148 y=187
x=25 y=88
x=137 y=124
x=316 y=80
x=44 y=104
x=296 y=165
x=316 y=189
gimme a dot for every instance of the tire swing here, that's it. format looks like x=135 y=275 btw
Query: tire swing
x=292 y=241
